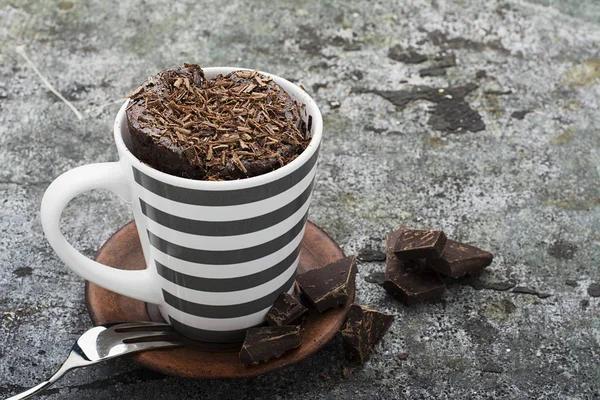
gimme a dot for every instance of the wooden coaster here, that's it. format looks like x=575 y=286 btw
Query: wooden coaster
x=207 y=360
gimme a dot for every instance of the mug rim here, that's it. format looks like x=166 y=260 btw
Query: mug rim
x=293 y=90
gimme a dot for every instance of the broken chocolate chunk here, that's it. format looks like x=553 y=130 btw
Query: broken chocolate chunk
x=412 y=284
x=364 y=328
x=460 y=259
x=330 y=286
x=263 y=344
x=418 y=243
x=286 y=310
x=406 y=280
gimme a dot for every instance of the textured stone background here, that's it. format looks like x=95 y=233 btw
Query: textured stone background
x=526 y=186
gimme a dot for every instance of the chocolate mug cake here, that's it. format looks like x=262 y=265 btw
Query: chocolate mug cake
x=229 y=127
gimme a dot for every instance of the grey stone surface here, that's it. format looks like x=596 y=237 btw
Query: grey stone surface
x=526 y=187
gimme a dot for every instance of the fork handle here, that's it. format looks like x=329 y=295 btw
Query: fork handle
x=32 y=392
x=41 y=387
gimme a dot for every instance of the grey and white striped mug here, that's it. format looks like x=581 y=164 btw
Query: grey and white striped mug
x=217 y=253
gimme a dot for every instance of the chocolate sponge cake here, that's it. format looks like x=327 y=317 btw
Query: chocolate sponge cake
x=228 y=127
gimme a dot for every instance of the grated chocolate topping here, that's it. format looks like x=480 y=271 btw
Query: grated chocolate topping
x=229 y=127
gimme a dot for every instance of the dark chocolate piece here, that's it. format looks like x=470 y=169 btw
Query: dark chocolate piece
x=406 y=280
x=287 y=309
x=460 y=259
x=364 y=328
x=330 y=286
x=418 y=243
x=263 y=344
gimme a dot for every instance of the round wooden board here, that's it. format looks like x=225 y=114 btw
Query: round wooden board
x=204 y=360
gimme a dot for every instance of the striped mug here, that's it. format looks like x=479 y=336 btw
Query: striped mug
x=218 y=254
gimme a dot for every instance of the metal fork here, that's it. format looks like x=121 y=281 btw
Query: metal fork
x=109 y=341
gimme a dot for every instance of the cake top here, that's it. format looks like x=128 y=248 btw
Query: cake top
x=238 y=119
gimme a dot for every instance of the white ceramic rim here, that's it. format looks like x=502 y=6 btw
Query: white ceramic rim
x=293 y=90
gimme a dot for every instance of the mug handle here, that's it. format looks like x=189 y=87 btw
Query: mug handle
x=136 y=284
